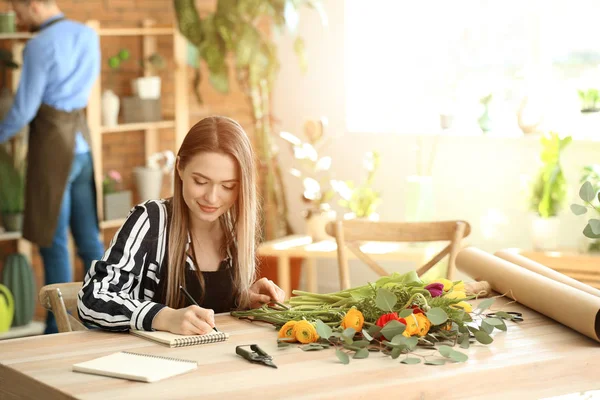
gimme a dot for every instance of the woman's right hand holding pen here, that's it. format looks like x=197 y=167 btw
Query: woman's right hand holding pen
x=192 y=320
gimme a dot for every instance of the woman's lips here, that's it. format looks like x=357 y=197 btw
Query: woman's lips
x=208 y=209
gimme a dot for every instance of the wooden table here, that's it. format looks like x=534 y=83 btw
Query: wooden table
x=303 y=246
x=535 y=358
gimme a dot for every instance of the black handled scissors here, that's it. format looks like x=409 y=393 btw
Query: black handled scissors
x=514 y=316
x=257 y=355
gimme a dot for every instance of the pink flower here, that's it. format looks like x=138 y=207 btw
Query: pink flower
x=435 y=289
x=114 y=175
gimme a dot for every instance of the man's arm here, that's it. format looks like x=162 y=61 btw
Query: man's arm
x=29 y=94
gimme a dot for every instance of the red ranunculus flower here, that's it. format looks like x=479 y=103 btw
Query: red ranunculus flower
x=385 y=318
x=416 y=309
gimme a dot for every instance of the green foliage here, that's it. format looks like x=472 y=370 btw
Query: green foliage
x=12 y=187
x=589 y=100
x=361 y=200
x=549 y=191
x=589 y=193
x=18 y=277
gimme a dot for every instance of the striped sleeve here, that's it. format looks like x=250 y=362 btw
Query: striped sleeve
x=108 y=298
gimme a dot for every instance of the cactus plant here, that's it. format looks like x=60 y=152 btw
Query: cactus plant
x=7 y=308
x=18 y=278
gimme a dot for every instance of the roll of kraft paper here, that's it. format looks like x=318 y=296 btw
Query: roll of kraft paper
x=546 y=271
x=569 y=306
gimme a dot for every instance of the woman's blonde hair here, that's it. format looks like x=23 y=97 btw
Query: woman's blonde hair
x=239 y=223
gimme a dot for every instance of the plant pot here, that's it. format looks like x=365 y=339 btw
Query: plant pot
x=316 y=223
x=267 y=268
x=545 y=232
x=148 y=182
x=7 y=22
x=12 y=222
x=147 y=87
x=117 y=205
x=110 y=108
x=419 y=199
x=135 y=109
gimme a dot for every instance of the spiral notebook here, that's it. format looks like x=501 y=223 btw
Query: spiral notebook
x=173 y=340
x=136 y=367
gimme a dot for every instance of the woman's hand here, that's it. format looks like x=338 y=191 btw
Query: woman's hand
x=192 y=320
x=264 y=291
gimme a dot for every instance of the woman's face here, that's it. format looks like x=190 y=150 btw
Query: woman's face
x=210 y=185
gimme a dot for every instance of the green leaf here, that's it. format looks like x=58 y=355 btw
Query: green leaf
x=361 y=343
x=411 y=360
x=445 y=350
x=589 y=233
x=578 y=209
x=405 y=313
x=349 y=333
x=464 y=341
x=412 y=342
x=385 y=300
x=504 y=314
x=458 y=356
x=483 y=338
x=283 y=344
x=487 y=328
x=392 y=329
x=494 y=321
x=435 y=362
x=502 y=327
x=220 y=81
x=399 y=339
x=323 y=330
x=437 y=316
x=342 y=356
x=485 y=304
x=367 y=335
x=595 y=225
x=312 y=347
x=587 y=192
x=396 y=352
x=362 y=353
x=374 y=330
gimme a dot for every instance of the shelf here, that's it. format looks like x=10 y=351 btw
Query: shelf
x=139 y=126
x=31 y=329
x=135 y=31
x=113 y=223
x=15 y=35
x=4 y=236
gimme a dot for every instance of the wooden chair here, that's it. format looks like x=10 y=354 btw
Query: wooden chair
x=349 y=234
x=61 y=299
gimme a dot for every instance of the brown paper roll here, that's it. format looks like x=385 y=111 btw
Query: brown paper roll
x=545 y=271
x=571 y=307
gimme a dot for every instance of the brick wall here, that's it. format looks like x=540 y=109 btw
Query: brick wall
x=124 y=151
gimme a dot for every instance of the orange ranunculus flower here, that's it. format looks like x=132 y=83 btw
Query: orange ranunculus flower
x=464 y=305
x=287 y=330
x=305 y=332
x=412 y=325
x=353 y=319
x=423 y=323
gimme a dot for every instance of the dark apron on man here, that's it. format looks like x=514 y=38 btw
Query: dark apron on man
x=49 y=157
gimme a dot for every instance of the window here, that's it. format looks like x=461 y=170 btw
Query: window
x=408 y=62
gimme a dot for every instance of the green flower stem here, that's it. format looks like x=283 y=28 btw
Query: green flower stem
x=409 y=302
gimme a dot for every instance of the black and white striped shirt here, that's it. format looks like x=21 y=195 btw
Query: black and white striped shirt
x=119 y=289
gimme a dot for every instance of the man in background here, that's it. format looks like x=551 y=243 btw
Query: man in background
x=60 y=65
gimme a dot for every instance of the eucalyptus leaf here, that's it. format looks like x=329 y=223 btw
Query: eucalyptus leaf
x=412 y=342
x=595 y=225
x=504 y=314
x=405 y=313
x=411 y=360
x=361 y=353
x=349 y=333
x=392 y=329
x=485 y=304
x=312 y=347
x=385 y=300
x=435 y=362
x=361 y=343
x=578 y=209
x=589 y=232
x=458 y=356
x=396 y=352
x=374 y=330
x=487 y=328
x=283 y=344
x=367 y=335
x=445 y=350
x=323 y=330
x=342 y=356
x=437 y=316
x=464 y=341
x=399 y=339
x=502 y=326
x=483 y=338
x=587 y=192
x=493 y=321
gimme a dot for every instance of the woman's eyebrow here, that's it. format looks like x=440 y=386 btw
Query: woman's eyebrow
x=209 y=179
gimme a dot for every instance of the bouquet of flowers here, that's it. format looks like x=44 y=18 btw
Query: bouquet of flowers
x=397 y=315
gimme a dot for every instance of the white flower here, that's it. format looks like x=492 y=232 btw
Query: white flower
x=312 y=189
x=323 y=164
x=341 y=188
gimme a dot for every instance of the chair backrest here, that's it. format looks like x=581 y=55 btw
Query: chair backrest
x=61 y=300
x=349 y=234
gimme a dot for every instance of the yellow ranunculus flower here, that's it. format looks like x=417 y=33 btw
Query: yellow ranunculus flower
x=464 y=305
x=287 y=330
x=446 y=282
x=423 y=323
x=460 y=286
x=412 y=326
x=305 y=332
x=353 y=319
x=455 y=294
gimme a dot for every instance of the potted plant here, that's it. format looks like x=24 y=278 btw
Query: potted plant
x=315 y=174
x=12 y=191
x=148 y=87
x=110 y=101
x=361 y=200
x=117 y=202
x=548 y=192
x=589 y=99
x=590 y=194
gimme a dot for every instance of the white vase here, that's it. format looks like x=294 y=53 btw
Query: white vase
x=419 y=200
x=545 y=232
x=148 y=182
x=147 y=87
x=110 y=108
x=316 y=223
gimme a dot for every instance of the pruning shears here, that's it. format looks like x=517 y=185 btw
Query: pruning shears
x=257 y=355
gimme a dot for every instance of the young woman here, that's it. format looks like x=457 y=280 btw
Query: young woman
x=202 y=239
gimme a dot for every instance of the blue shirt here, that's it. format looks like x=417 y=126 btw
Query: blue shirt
x=60 y=65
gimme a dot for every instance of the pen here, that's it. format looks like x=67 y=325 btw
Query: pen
x=191 y=299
